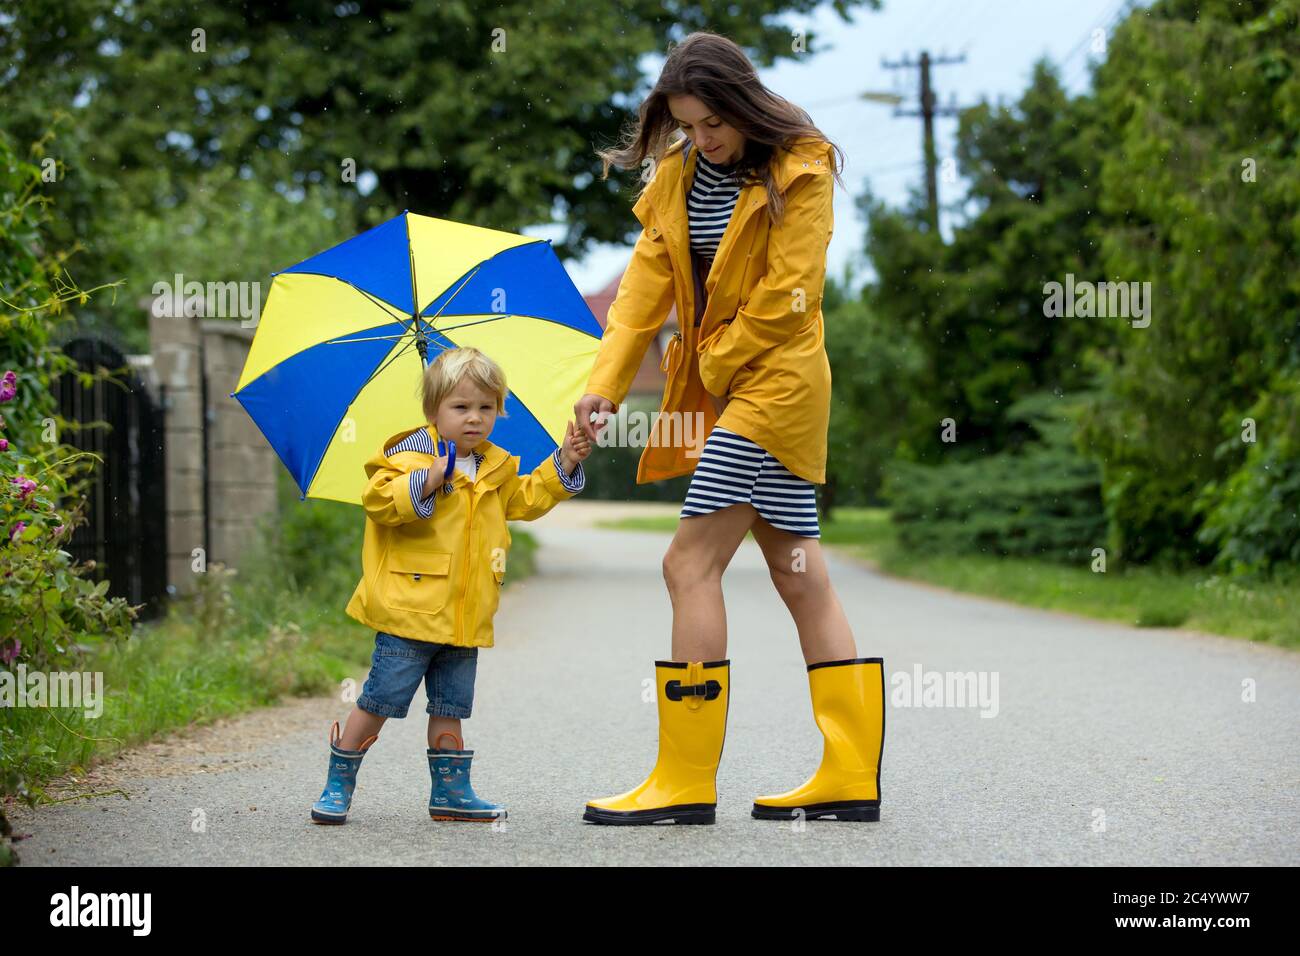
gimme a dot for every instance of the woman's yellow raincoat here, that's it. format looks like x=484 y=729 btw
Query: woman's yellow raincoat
x=439 y=579
x=760 y=342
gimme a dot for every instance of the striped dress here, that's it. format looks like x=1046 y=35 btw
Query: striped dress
x=732 y=469
x=710 y=204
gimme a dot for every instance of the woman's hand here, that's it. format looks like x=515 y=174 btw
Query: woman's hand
x=576 y=447
x=583 y=409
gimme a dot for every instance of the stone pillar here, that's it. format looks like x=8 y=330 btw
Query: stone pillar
x=221 y=472
x=242 y=467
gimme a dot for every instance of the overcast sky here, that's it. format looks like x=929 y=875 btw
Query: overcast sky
x=1001 y=40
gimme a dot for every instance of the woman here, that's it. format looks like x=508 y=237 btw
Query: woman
x=736 y=222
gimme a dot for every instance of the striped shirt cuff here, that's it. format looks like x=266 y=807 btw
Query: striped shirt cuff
x=423 y=505
x=574 y=484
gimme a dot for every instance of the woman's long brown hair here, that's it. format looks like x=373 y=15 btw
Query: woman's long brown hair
x=716 y=71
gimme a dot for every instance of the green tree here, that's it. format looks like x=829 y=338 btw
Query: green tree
x=486 y=113
x=975 y=305
x=1198 y=106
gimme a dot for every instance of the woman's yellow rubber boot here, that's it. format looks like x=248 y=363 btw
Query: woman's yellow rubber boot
x=692 y=724
x=848 y=700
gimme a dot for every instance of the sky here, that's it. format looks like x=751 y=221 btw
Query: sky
x=1000 y=39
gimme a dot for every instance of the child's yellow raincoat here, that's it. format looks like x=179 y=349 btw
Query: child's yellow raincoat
x=439 y=578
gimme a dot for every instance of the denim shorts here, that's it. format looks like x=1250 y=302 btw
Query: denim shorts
x=398 y=666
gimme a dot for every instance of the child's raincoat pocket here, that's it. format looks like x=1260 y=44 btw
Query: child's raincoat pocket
x=418 y=580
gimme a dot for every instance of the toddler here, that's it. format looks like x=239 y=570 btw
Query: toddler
x=434 y=560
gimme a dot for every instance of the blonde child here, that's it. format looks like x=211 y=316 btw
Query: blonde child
x=434 y=562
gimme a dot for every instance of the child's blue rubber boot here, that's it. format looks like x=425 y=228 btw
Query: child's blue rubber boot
x=453 y=796
x=332 y=807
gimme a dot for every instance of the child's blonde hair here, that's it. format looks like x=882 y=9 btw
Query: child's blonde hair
x=444 y=373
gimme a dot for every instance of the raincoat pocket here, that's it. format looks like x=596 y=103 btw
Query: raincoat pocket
x=418 y=580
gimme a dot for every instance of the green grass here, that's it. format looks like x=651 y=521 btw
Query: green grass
x=1258 y=611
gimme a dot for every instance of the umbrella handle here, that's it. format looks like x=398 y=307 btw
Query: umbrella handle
x=449 y=449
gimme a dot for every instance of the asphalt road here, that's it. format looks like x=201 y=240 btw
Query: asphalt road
x=1108 y=744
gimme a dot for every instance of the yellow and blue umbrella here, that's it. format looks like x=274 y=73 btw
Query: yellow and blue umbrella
x=335 y=366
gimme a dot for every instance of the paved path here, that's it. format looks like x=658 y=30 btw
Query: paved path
x=1142 y=731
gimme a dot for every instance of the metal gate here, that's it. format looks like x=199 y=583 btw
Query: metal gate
x=126 y=508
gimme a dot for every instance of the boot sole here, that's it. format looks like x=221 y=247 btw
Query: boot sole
x=322 y=818
x=443 y=815
x=702 y=813
x=862 y=811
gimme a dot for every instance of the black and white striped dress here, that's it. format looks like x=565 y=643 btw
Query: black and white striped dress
x=732 y=469
x=709 y=205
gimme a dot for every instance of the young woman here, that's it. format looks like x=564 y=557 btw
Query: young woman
x=737 y=218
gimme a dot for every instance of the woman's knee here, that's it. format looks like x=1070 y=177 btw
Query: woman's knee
x=799 y=580
x=684 y=567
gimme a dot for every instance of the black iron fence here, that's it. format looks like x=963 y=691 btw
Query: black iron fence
x=126 y=530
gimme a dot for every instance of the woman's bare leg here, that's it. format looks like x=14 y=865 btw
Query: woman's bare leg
x=798 y=569
x=700 y=551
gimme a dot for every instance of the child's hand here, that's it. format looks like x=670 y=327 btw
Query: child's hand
x=444 y=460
x=437 y=475
x=576 y=447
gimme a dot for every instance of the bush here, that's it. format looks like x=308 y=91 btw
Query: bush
x=1253 y=516
x=51 y=616
x=1042 y=500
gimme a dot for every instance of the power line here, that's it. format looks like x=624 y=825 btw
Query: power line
x=1122 y=9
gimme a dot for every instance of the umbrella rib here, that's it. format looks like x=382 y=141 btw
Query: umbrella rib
x=465 y=325
x=469 y=276
x=391 y=359
x=410 y=259
x=520 y=315
x=368 y=338
x=384 y=306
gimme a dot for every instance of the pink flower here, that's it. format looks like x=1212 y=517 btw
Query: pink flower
x=58 y=532
x=8 y=654
x=17 y=530
x=4 y=444
x=25 y=485
x=8 y=386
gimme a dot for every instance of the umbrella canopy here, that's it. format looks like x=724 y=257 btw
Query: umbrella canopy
x=335 y=366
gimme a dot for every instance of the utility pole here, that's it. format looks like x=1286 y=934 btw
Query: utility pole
x=928 y=111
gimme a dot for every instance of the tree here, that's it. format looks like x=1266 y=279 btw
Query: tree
x=1199 y=112
x=486 y=113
